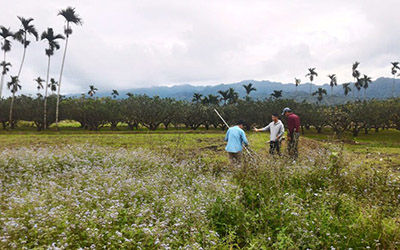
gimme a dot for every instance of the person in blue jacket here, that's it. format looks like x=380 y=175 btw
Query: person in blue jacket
x=235 y=138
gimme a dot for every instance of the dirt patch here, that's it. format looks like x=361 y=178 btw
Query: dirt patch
x=208 y=140
x=215 y=148
x=353 y=142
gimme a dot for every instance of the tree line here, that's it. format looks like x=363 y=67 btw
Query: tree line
x=137 y=111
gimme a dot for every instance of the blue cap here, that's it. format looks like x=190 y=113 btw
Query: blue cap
x=286 y=110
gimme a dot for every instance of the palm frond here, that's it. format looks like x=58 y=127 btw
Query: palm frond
x=70 y=16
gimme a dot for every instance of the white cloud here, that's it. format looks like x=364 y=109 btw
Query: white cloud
x=125 y=44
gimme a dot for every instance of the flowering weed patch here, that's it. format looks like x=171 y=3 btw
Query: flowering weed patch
x=181 y=194
x=85 y=196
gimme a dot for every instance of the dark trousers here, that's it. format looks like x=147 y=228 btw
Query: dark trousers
x=293 y=145
x=275 y=146
x=235 y=159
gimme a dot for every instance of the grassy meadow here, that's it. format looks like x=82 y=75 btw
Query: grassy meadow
x=172 y=189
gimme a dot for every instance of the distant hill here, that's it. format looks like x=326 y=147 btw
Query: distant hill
x=379 y=89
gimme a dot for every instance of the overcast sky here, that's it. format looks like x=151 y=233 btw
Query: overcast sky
x=126 y=44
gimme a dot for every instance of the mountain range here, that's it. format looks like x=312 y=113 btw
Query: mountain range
x=381 y=88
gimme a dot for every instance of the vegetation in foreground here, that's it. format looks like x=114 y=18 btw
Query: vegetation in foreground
x=95 y=192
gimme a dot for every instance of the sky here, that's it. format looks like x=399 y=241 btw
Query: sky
x=126 y=44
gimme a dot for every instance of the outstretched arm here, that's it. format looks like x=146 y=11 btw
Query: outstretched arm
x=262 y=129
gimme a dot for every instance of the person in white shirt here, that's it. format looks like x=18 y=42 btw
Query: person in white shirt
x=277 y=130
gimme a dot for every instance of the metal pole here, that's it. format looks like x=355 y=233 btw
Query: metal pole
x=226 y=124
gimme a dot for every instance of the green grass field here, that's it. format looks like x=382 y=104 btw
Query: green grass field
x=175 y=188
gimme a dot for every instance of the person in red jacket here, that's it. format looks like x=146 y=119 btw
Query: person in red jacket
x=293 y=125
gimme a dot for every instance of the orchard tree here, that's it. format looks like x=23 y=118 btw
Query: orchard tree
x=337 y=117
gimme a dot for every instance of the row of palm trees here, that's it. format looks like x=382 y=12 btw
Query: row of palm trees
x=359 y=81
x=229 y=96
x=26 y=31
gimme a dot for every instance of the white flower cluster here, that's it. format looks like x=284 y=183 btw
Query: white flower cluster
x=96 y=197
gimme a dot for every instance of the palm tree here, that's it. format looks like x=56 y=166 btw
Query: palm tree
x=297 y=83
x=70 y=18
x=358 y=84
x=233 y=95
x=311 y=74
x=224 y=95
x=395 y=67
x=53 y=85
x=39 y=82
x=249 y=88
x=346 y=88
x=92 y=90
x=356 y=74
x=22 y=36
x=13 y=85
x=5 y=66
x=277 y=94
x=320 y=92
x=5 y=34
x=204 y=100
x=333 y=82
x=114 y=93
x=129 y=94
x=213 y=99
x=53 y=45
x=197 y=97
x=366 y=81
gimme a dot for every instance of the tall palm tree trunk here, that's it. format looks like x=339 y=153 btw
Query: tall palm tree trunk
x=2 y=79
x=393 y=86
x=1 y=85
x=23 y=59
x=310 y=88
x=331 y=91
x=45 y=96
x=11 y=110
x=59 y=81
x=13 y=95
